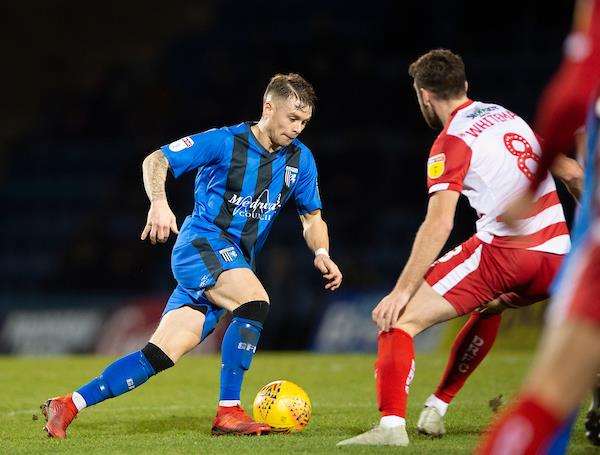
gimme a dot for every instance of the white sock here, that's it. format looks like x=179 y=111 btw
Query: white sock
x=230 y=403
x=435 y=402
x=78 y=401
x=392 y=421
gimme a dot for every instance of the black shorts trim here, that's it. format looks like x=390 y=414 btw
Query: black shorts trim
x=208 y=256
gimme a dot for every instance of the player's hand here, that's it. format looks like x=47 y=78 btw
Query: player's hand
x=518 y=209
x=330 y=271
x=388 y=311
x=161 y=221
x=492 y=308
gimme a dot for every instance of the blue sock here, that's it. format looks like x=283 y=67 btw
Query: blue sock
x=119 y=377
x=237 y=350
x=559 y=444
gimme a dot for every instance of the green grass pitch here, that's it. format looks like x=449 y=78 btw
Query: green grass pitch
x=173 y=412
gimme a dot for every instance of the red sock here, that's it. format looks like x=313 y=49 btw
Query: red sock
x=527 y=428
x=470 y=347
x=394 y=371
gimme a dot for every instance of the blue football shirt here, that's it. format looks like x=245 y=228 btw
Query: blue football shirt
x=240 y=187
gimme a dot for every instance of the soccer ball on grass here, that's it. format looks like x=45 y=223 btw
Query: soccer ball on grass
x=283 y=405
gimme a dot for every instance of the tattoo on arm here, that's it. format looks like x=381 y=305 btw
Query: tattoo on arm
x=155 y=169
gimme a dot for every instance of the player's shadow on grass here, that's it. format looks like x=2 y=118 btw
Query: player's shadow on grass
x=335 y=429
x=467 y=432
x=463 y=430
x=163 y=424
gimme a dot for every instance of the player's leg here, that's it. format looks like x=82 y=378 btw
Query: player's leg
x=466 y=264
x=531 y=273
x=471 y=345
x=558 y=445
x=239 y=291
x=178 y=332
x=564 y=371
x=456 y=284
x=395 y=366
x=566 y=365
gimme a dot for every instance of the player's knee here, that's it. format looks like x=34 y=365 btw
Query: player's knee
x=256 y=292
x=179 y=332
x=410 y=324
x=255 y=310
x=179 y=344
x=259 y=295
x=157 y=358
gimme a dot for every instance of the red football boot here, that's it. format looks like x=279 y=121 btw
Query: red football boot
x=59 y=412
x=234 y=420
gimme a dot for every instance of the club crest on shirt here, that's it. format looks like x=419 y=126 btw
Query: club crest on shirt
x=181 y=144
x=436 y=165
x=228 y=254
x=290 y=175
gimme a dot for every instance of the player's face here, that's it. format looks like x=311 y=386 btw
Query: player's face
x=287 y=119
x=429 y=114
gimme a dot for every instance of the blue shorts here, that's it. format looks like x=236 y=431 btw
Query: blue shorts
x=197 y=260
x=212 y=313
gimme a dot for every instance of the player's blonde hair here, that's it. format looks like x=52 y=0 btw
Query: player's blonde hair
x=293 y=85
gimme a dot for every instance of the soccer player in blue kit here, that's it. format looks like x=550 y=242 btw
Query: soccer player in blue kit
x=245 y=174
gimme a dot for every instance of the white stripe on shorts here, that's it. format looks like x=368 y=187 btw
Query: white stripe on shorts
x=459 y=272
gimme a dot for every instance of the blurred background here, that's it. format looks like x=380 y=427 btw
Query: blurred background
x=89 y=89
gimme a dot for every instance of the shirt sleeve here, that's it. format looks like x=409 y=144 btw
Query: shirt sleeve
x=448 y=163
x=192 y=152
x=566 y=99
x=306 y=192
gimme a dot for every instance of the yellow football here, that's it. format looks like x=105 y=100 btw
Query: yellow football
x=283 y=405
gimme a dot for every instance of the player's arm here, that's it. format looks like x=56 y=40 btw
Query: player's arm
x=316 y=235
x=181 y=156
x=429 y=241
x=308 y=203
x=565 y=100
x=566 y=169
x=570 y=173
x=161 y=220
x=564 y=103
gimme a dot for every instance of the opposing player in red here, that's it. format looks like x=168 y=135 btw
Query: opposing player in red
x=568 y=360
x=487 y=153
x=477 y=336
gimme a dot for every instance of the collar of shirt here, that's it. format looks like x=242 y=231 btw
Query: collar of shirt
x=258 y=145
x=462 y=106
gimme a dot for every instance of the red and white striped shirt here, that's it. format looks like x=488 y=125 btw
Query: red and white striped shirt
x=490 y=155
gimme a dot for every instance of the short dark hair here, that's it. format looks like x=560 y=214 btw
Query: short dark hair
x=441 y=72
x=292 y=84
